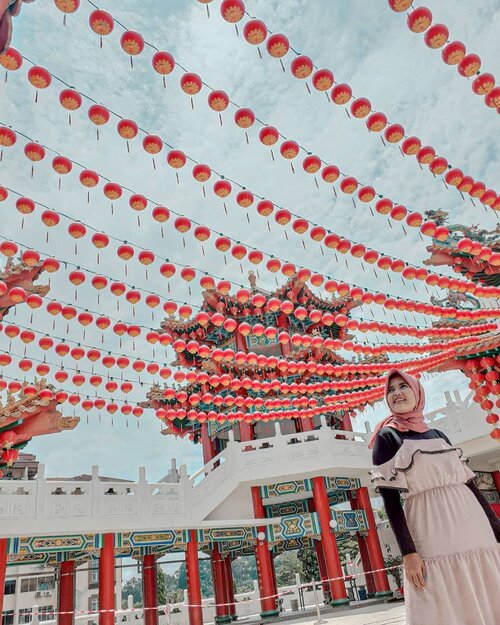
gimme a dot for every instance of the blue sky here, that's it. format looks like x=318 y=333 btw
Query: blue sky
x=365 y=44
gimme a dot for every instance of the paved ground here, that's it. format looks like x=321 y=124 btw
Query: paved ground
x=380 y=614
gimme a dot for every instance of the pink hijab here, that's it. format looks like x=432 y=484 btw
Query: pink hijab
x=413 y=420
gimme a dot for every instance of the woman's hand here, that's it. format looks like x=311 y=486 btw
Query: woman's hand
x=415 y=570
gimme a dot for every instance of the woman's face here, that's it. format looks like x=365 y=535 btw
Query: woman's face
x=400 y=397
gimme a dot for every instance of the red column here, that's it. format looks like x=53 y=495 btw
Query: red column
x=149 y=589
x=306 y=425
x=329 y=544
x=373 y=544
x=246 y=431
x=363 y=552
x=322 y=570
x=265 y=575
x=193 y=581
x=3 y=568
x=67 y=593
x=496 y=479
x=107 y=581
x=218 y=577
x=241 y=342
x=346 y=422
x=230 y=588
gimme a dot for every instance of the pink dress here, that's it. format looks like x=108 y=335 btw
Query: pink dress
x=450 y=531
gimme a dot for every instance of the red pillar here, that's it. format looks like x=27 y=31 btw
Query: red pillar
x=496 y=479
x=322 y=570
x=230 y=588
x=363 y=552
x=207 y=444
x=218 y=577
x=246 y=431
x=149 y=589
x=3 y=568
x=265 y=575
x=107 y=581
x=329 y=544
x=67 y=593
x=373 y=544
x=193 y=581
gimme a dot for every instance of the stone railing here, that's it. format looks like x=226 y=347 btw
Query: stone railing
x=218 y=494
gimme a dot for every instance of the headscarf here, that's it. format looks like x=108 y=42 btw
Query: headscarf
x=413 y=420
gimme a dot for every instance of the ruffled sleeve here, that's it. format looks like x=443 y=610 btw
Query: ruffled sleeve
x=388 y=476
x=469 y=473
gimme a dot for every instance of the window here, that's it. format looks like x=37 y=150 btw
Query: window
x=46 y=613
x=94 y=575
x=8 y=617
x=32 y=584
x=28 y=585
x=10 y=587
x=46 y=583
x=25 y=615
x=94 y=603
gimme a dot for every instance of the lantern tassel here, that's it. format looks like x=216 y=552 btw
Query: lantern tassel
x=282 y=66
x=334 y=191
x=371 y=211
x=347 y=113
x=208 y=11
x=260 y=53
x=316 y=182
x=131 y=63
x=225 y=261
x=164 y=82
x=192 y=104
x=293 y=170
x=138 y=221
x=32 y=171
x=268 y=226
x=389 y=222
x=128 y=147
x=322 y=251
x=286 y=234
x=36 y=96
x=382 y=139
x=248 y=218
x=5 y=77
x=64 y=24
x=225 y=207
x=162 y=233
x=59 y=184
x=69 y=119
x=303 y=244
x=88 y=197
x=100 y=43
x=220 y=119
x=246 y=137
x=308 y=88
x=177 y=177
x=154 y=164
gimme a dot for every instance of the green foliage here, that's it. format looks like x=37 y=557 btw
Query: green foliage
x=132 y=586
x=161 y=588
x=309 y=564
x=287 y=565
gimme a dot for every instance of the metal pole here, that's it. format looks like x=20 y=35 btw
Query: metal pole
x=320 y=621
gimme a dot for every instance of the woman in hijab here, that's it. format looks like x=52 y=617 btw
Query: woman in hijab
x=447 y=532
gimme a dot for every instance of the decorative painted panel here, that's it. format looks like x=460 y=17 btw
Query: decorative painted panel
x=350 y=520
x=282 y=509
x=337 y=497
x=294 y=526
x=342 y=483
x=293 y=487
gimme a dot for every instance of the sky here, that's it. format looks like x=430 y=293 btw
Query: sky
x=364 y=44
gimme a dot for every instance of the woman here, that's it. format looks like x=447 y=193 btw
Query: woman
x=447 y=532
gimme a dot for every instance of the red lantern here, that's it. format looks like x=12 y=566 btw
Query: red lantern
x=376 y=122
x=152 y=144
x=11 y=59
x=361 y=107
x=89 y=178
x=62 y=165
x=101 y=22
x=454 y=177
x=453 y=53
x=138 y=202
x=426 y=155
x=349 y=185
x=341 y=94
x=322 y=79
x=492 y=99
x=301 y=67
x=232 y=10
x=188 y=274
x=277 y=45
x=8 y=248
x=112 y=191
x=289 y=149
x=255 y=257
x=268 y=135
x=438 y=165
x=50 y=218
x=76 y=277
x=176 y=159
x=39 y=77
x=100 y=240
x=255 y=32
x=244 y=118
x=330 y=173
x=419 y=20
x=469 y=65
x=160 y=214
x=7 y=137
x=182 y=224
x=77 y=230
x=125 y=251
x=283 y=217
x=400 y=5
x=436 y=36
x=191 y=83
x=163 y=62
x=70 y=99
x=25 y=205
x=411 y=146
x=394 y=133
x=201 y=172
x=218 y=100
x=132 y=42
x=98 y=114
x=34 y=151
x=483 y=84
x=311 y=164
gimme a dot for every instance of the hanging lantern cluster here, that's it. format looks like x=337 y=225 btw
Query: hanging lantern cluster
x=437 y=36
x=484 y=381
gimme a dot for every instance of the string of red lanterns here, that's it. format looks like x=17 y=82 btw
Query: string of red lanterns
x=283 y=217
x=437 y=36
x=302 y=67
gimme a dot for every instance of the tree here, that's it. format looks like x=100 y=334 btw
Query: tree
x=161 y=588
x=309 y=564
x=287 y=565
x=132 y=586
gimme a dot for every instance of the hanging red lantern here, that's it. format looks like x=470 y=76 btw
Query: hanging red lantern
x=232 y=10
x=255 y=257
x=361 y=107
x=132 y=42
x=311 y=164
x=188 y=274
x=127 y=129
x=349 y=185
x=7 y=137
x=176 y=159
x=273 y=265
x=477 y=190
x=245 y=199
x=283 y=217
x=255 y=32
x=268 y=135
x=70 y=99
x=146 y=257
x=277 y=45
x=454 y=177
x=218 y=100
x=11 y=59
x=322 y=79
x=54 y=308
x=289 y=149
x=222 y=188
x=152 y=300
x=8 y=248
x=376 y=122
x=101 y=22
x=89 y=178
x=300 y=225
x=160 y=214
x=202 y=233
x=191 y=83
x=100 y=240
x=438 y=165
x=483 y=84
x=239 y=251
x=99 y=282
x=301 y=66
x=62 y=165
x=492 y=99
x=469 y=65
x=224 y=286
x=436 y=36
x=50 y=218
x=419 y=20
x=98 y=114
x=426 y=155
x=39 y=77
x=112 y=191
x=76 y=277
x=163 y=62
x=265 y=208
x=34 y=301
x=394 y=133
x=138 y=202
x=330 y=173
x=222 y=244
x=201 y=172
x=152 y=144
x=34 y=151
x=411 y=146
x=25 y=205
x=167 y=270
x=341 y=94
x=366 y=194
x=182 y=224
x=125 y=251
x=244 y=118
x=398 y=213
x=317 y=233
x=453 y=53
